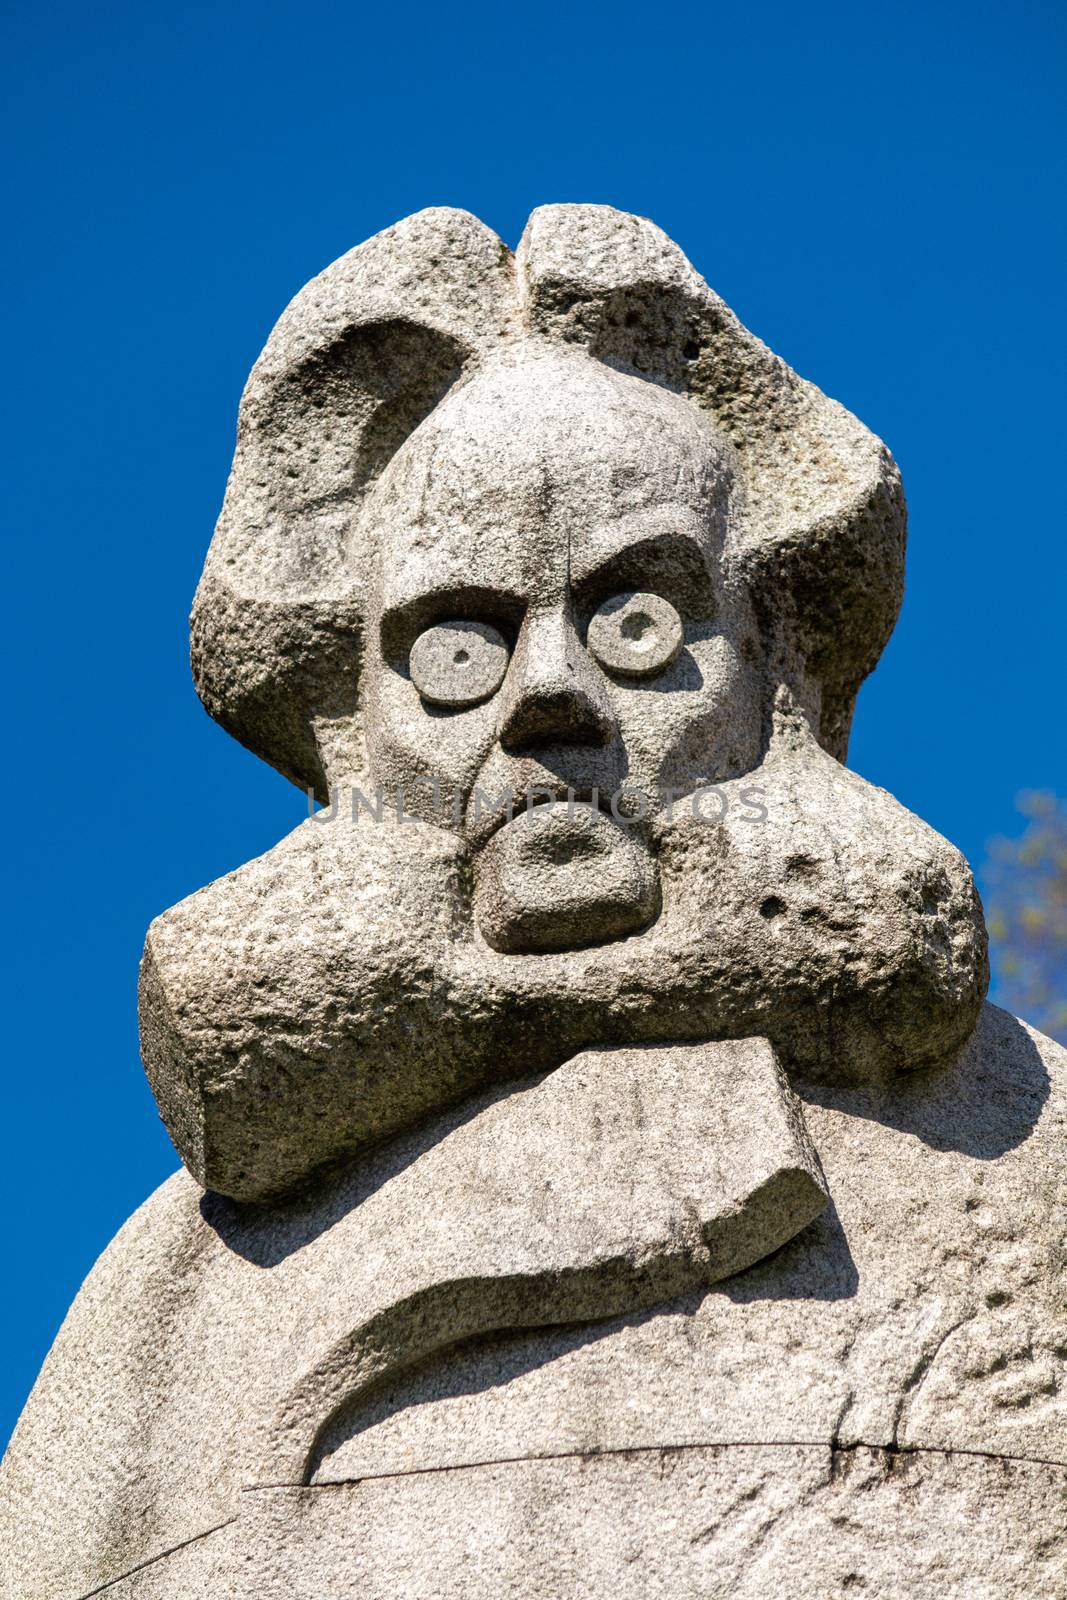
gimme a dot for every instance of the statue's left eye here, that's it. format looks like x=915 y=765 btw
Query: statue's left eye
x=458 y=663
x=636 y=634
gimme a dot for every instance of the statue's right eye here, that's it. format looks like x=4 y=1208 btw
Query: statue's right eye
x=458 y=663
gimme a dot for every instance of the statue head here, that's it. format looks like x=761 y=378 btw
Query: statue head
x=541 y=544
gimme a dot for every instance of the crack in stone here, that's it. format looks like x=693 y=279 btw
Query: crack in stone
x=889 y=1449
x=151 y=1561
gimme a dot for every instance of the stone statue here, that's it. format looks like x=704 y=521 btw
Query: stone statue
x=603 y=1176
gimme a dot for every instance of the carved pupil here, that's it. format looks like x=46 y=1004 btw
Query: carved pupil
x=635 y=626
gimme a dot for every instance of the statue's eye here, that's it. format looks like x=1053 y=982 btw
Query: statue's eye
x=458 y=663
x=635 y=634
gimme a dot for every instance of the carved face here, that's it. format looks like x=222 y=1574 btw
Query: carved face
x=550 y=624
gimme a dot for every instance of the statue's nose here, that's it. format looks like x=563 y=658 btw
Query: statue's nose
x=554 y=691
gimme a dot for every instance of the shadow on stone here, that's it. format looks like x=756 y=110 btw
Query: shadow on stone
x=470 y=1367
x=265 y=1235
x=816 y=1265
x=983 y=1105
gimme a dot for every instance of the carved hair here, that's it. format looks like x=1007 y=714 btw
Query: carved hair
x=371 y=346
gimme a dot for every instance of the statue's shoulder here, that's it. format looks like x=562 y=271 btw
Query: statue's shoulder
x=951 y=1211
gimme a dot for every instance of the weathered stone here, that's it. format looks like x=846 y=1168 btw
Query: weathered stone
x=339 y=988
x=516 y=1274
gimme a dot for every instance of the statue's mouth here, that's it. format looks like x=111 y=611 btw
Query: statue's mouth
x=558 y=804
x=563 y=874
x=566 y=829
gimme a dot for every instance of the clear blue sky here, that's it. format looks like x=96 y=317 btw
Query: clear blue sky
x=877 y=190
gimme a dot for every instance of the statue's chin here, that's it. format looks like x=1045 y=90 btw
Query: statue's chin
x=560 y=877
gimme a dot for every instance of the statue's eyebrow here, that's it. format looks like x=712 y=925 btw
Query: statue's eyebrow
x=404 y=618
x=669 y=557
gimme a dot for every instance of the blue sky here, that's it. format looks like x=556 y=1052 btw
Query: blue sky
x=875 y=189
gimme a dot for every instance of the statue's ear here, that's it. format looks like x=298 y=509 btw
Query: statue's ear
x=355 y=363
x=817 y=535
